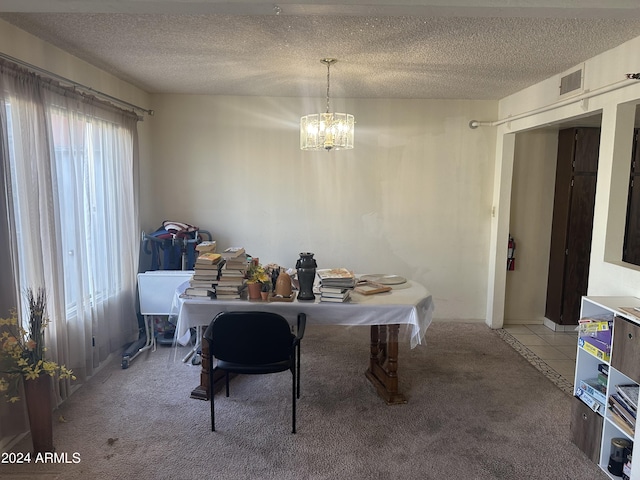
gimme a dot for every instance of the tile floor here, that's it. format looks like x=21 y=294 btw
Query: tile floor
x=556 y=349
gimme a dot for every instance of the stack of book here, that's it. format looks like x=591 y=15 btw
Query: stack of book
x=205 y=275
x=623 y=407
x=335 y=284
x=334 y=294
x=232 y=282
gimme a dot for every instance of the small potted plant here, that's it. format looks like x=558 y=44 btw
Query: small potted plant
x=264 y=290
x=256 y=278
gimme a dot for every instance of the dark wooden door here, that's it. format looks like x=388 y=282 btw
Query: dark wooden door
x=572 y=223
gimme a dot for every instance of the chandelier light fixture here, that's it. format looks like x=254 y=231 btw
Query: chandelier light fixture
x=327 y=131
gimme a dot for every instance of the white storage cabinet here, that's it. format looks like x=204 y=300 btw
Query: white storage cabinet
x=592 y=431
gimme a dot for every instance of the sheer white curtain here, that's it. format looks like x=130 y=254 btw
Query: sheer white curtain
x=95 y=174
x=69 y=172
x=15 y=116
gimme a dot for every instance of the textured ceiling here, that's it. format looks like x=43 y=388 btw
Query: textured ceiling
x=443 y=52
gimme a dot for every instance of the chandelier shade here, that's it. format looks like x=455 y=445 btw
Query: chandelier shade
x=327 y=131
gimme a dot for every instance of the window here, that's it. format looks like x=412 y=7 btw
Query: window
x=68 y=166
x=88 y=184
x=88 y=181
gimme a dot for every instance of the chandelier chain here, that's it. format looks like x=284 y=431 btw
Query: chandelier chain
x=328 y=67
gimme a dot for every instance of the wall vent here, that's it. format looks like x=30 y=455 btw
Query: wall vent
x=571 y=83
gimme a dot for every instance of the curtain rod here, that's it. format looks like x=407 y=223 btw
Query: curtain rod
x=561 y=103
x=75 y=84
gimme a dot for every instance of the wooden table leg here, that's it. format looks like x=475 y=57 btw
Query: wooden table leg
x=201 y=392
x=382 y=371
x=383 y=363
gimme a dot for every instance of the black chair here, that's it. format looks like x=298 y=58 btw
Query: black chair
x=254 y=343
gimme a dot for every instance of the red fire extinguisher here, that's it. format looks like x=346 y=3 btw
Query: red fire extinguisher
x=511 y=254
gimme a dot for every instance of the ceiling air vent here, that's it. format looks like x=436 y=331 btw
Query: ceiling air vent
x=571 y=83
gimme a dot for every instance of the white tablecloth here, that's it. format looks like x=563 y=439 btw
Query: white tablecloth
x=408 y=304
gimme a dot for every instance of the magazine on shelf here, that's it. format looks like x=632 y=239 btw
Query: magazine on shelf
x=591 y=402
x=629 y=393
x=601 y=351
x=622 y=409
x=621 y=422
x=595 y=389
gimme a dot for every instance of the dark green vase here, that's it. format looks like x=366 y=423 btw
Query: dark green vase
x=306 y=267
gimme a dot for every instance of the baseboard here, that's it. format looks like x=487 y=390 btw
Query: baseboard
x=460 y=320
x=559 y=328
x=523 y=321
x=540 y=321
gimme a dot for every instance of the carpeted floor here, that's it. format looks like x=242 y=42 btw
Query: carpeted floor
x=476 y=410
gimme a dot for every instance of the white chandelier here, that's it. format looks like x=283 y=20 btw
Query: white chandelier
x=327 y=131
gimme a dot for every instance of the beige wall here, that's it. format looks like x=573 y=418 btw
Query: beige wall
x=534 y=172
x=413 y=198
x=607 y=92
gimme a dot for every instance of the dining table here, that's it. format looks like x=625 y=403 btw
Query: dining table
x=408 y=305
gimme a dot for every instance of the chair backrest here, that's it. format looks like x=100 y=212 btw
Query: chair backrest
x=251 y=338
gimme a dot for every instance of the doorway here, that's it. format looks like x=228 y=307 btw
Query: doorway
x=572 y=224
x=530 y=221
